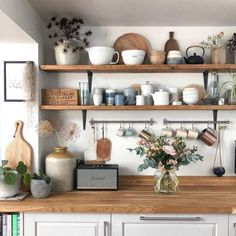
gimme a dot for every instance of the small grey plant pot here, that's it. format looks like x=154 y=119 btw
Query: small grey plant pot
x=39 y=188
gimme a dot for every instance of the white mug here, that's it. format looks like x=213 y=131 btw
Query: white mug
x=193 y=133
x=182 y=133
x=167 y=132
x=140 y=100
x=97 y=99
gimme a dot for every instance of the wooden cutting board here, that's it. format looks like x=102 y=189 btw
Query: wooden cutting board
x=130 y=41
x=103 y=150
x=18 y=149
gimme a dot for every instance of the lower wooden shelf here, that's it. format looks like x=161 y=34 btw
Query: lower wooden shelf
x=165 y=107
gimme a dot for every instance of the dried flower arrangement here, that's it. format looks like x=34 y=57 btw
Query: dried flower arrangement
x=67 y=31
x=69 y=132
x=213 y=41
x=231 y=43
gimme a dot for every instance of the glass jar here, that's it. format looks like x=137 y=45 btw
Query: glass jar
x=165 y=181
x=60 y=166
x=213 y=88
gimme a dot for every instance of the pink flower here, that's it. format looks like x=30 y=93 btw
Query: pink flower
x=169 y=150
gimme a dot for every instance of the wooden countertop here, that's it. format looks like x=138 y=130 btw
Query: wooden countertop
x=136 y=195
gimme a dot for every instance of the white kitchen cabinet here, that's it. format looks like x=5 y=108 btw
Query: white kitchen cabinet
x=232 y=225
x=169 y=225
x=66 y=224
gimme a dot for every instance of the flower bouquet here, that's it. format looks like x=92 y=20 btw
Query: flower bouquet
x=166 y=156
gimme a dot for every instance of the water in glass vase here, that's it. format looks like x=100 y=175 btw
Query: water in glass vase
x=165 y=181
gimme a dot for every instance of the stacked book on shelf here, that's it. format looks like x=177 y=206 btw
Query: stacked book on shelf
x=11 y=224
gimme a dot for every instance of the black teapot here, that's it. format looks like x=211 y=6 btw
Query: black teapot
x=194 y=59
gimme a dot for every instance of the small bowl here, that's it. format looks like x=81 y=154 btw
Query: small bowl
x=174 y=54
x=133 y=57
x=157 y=57
x=191 y=100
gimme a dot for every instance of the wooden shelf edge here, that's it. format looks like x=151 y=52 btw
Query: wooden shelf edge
x=147 y=68
x=139 y=108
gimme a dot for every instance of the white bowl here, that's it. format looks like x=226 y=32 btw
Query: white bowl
x=133 y=57
x=174 y=53
x=133 y=52
x=191 y=100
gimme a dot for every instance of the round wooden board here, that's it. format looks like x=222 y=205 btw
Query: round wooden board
x=130 y=41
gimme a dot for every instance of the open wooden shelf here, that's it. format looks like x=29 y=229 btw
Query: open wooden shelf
x=140 y=108
x=162 y=68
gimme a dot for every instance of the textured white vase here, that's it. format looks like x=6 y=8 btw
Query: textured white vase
x=66 y=58
x=60 y=166
x=7 y=190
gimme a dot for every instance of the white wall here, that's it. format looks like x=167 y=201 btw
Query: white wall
x=157 y=36
x=12 y=111
x=30 y=27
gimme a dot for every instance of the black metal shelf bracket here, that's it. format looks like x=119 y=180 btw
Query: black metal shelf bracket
x=215 y=114
x=90 y=78
x=205 y=78
x=84 y=118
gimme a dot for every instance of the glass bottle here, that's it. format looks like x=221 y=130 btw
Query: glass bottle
x=213 y=88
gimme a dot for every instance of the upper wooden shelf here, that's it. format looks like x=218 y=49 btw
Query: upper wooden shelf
x=141 y=108
x=162 y=68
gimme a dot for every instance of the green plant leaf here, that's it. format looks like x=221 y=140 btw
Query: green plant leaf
x=26 y=179
x=10 y=178
x=2 y=170
x=47 y=179
x=4 y=162
x=21 y=168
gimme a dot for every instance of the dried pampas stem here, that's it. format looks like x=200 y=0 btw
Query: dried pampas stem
x=28 y=81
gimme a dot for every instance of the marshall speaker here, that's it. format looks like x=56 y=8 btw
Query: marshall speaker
x=97 y=177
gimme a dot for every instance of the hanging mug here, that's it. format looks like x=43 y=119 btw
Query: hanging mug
x=208 y=136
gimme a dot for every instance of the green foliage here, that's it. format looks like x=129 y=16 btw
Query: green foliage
x=10 y=175
x=165 y=153
x=42 y=176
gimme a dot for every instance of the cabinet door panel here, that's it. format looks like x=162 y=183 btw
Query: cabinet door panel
x=167 y=229
x=69 y=229
x=169 y=225
x=66 y=224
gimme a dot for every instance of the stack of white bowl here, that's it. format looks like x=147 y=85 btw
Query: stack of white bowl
x=191 y=96
x=174 y=57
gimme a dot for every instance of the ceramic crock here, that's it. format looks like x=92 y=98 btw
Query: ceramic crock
x=60 y=166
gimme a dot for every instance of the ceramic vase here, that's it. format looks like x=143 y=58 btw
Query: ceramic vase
x=66 y=58
x=165 y=181
x=218 y=55
x=39 y=188
x=60 y=166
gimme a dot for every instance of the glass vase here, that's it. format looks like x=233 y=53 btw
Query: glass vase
x=218 y=55
x=165 y=181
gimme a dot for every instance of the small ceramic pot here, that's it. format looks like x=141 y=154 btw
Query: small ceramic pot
x=157 y=57
x=7 y=190
x=39 y=188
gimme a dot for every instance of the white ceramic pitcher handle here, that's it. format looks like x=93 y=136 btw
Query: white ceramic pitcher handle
x=118 y=58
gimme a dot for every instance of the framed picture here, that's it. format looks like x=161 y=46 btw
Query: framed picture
x=13 y=81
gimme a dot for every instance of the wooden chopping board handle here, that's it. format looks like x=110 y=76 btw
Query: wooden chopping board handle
x=18 y=149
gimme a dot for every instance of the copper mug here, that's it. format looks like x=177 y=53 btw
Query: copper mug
x=208 y=136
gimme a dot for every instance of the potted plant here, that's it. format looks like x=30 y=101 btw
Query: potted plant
x=10 y=179
x=217 y=47
x=40 y=185
x=68 y=39
x=231 y=45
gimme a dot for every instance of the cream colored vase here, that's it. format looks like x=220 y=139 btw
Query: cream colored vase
x=218 y=55
x=60 y=166
x=66 y=58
